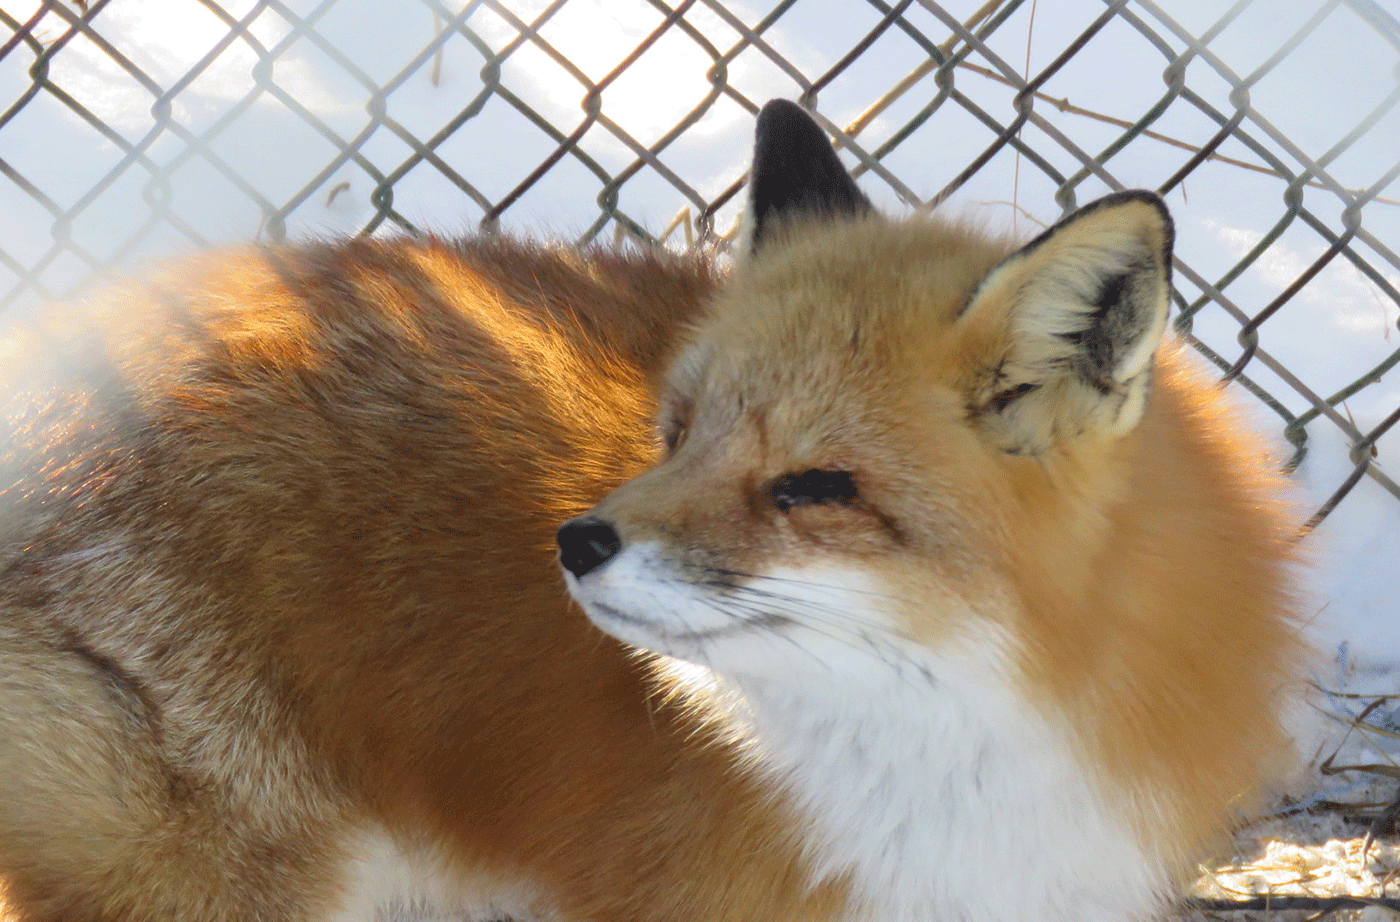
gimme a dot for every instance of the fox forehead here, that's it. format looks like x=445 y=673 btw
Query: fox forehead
x=832 y=311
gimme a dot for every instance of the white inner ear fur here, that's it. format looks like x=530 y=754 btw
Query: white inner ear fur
x=1084 y=310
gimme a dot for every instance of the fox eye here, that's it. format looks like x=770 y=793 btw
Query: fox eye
x=673 y=434
x=811 y=487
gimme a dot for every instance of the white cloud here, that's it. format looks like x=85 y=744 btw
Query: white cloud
x=1352 y=302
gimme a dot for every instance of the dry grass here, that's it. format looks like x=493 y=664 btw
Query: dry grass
x=1333 y=853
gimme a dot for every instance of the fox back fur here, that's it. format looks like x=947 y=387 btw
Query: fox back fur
x=967 y=600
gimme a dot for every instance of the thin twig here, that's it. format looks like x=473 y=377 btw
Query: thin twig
x=1064 y=105
x=1279 y=903
x=920 y=72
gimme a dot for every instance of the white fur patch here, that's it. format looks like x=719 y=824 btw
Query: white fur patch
x=769 y=626
x=386 y=883
x=944 y=790
x=640 y=598
x=924 y=773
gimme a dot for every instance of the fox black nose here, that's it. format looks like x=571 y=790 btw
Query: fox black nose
x=586 y=544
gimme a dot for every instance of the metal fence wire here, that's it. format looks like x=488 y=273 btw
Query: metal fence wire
x=1272 y=129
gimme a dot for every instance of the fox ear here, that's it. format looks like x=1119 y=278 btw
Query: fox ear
x=795 y=173
x=1066 y=328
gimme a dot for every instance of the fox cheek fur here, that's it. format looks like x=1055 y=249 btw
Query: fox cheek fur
x=928 y=493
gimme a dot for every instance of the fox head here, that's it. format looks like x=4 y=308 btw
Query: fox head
x=876 y=427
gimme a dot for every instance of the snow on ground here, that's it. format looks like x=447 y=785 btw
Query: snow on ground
x=1314 y=843
x=1330 y=860
x=1322 y=855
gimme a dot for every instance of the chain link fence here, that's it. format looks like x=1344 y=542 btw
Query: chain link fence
x=128 y=130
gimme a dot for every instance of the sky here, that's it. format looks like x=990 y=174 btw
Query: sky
x=276 y=121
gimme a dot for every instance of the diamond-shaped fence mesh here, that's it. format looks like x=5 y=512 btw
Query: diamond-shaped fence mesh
x=133 y=129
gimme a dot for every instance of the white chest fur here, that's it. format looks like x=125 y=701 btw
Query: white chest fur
x=384 y=882
x=948 y=798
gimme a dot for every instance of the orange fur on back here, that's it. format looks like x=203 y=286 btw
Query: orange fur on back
x=276 y=567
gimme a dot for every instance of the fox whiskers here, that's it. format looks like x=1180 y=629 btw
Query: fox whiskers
x=780 y=609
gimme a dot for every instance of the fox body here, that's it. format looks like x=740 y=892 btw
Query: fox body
x=966 y=600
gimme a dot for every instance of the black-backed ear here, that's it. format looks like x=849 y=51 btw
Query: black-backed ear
x=1069 y=326
x=795 y=172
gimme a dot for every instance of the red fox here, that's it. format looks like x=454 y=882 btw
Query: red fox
x=964 y=597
